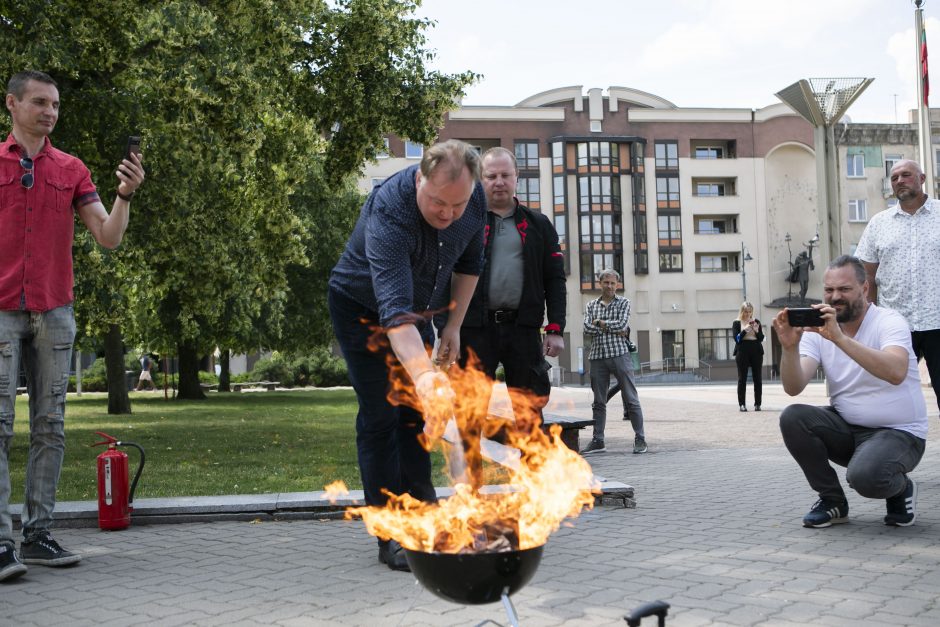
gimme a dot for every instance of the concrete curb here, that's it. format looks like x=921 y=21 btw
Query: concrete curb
x=264 y=507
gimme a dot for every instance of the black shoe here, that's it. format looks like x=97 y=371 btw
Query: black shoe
x=756 y=407
x=902 y=508
x=743 y=408
x=826 y=514
x=639 y=445
x=10 y=566
x=595 y=446
x=42 y=549
x=392 y=554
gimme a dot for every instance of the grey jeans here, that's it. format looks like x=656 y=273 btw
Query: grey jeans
x=876 y=460
x=620 y=368
x=43 y=343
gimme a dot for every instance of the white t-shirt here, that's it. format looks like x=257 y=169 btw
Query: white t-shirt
x=862 y=398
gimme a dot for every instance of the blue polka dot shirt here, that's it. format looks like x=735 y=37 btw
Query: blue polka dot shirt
x=397 y=264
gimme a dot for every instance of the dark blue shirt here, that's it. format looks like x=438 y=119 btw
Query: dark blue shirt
x=397 y=264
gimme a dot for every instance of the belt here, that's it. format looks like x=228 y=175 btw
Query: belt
x=500 y=316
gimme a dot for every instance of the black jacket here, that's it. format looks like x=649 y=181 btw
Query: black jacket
x=544 y=282
x=736 y=332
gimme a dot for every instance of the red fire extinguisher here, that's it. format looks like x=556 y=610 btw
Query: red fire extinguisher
x=114 y=499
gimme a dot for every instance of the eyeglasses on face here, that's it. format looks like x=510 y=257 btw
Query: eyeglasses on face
x=27 y=179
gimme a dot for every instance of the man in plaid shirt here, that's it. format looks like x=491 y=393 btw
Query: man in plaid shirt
x=605 y=321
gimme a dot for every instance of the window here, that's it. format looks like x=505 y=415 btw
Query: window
x=855 y=165
x=383 y=154
x=667 y=155
x=670 y=231
x=890 y=162
x=413 y=151
x=714 y=225
x=527 y=190
x=715 y=344
x=714 y=262
x=561 y=227
x=527 y=155
x=594 y=156
x=708 y=152
x=858 y=210
x=558 y=155
x=598 y=192
x=558 y=191
x=667 y=192
x=709 y=189
x=673 y=348
x=593 y=263
x=712 y=148
x=670 y=262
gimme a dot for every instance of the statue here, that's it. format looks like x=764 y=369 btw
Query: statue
x=800 y=269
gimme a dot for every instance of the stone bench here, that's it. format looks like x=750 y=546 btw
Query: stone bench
x=20 y=391
x=270 y=386
x=570 y=427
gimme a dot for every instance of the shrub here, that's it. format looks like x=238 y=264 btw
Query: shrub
x=273 y=368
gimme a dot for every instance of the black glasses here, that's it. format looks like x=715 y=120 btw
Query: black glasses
x=27 y=179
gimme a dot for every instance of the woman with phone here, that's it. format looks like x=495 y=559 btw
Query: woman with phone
x=748 y=352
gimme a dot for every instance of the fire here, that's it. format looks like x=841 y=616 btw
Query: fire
x=548 y=482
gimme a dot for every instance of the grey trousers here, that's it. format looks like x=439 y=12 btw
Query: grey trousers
x=876 y=460
x=619 y=367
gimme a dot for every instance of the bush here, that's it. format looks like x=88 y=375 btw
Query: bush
x=319 y=369
x=273 y=368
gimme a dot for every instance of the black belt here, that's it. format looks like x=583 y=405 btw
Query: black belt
x=500 y=316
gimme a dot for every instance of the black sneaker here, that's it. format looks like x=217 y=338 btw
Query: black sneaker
x=595 y=446
x=10 y=566
x=639 y=445
x=902 y=508
x=45 y=551
x=826 y=513
x=392 y=554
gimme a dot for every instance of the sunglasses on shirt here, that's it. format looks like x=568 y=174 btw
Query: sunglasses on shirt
x=27 y=179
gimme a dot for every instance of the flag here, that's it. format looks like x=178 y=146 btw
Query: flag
x=924 y=77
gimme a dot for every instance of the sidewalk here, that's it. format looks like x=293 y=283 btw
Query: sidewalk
x=716 y=533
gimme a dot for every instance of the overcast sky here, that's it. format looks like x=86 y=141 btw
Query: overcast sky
x=693 y=53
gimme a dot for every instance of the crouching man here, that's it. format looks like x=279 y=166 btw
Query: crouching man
x=876 y=423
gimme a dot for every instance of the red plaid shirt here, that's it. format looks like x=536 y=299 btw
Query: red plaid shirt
x=37 y=226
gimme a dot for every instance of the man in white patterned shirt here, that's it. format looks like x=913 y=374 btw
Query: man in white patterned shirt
x=901 y=252
x=605 y=321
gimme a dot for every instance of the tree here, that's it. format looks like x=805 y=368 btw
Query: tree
x=242 y=106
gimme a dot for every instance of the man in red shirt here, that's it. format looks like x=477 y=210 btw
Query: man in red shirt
x=41 y=189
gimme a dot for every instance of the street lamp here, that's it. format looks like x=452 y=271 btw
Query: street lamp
x=745 y=257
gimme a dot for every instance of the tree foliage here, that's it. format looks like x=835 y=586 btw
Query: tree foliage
x=253 y=117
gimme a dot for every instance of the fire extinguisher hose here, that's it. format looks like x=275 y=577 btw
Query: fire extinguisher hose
x=140 y=467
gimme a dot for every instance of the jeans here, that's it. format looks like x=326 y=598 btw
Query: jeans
x=390 y=456
x=43 y=341
x=621 y=369
x=927 y=345
x=876 y=460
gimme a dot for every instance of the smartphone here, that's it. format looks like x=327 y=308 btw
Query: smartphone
x=133 y=145
x=805 y=317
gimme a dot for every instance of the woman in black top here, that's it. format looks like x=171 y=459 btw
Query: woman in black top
x=748 y=352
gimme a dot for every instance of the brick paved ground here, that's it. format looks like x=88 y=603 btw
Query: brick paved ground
x=716 y=533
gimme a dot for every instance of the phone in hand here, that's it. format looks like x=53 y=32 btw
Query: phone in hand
x=805 y=317
x=133 y=146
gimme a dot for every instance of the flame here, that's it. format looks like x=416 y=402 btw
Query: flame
x=547 y=484
x=335 y=490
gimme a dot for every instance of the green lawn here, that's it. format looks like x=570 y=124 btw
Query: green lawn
x=247 y=443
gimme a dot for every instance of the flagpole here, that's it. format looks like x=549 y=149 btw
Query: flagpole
x=923 y=93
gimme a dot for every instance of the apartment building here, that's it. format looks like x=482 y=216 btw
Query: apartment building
x=698 y=209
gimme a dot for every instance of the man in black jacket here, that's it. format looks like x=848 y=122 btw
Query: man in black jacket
x=523 y=276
